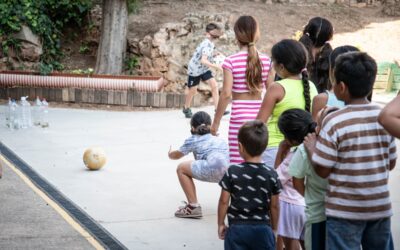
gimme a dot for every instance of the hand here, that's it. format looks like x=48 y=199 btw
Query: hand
x=169 y=151
x=214 y=129
x=221 y=231
x=309 y=144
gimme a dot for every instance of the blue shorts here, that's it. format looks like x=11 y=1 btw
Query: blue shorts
x=249 y=236
x=350 y=234
x=212 y=169
x=195 y=80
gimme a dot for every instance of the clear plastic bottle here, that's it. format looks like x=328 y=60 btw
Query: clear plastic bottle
x=26 y=118
x=8 y=110
x=37 y=112
x=15 y=120
x=45 y=114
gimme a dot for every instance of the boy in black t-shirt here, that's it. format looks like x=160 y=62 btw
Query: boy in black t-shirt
x=252 y=188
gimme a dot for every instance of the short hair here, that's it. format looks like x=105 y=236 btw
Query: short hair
x=357 y=70
x=212 y=26
x=253 y=135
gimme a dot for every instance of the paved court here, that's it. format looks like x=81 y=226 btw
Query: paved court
x=136 y=194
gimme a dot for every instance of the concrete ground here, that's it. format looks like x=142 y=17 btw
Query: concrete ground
x=136 y=194
x=29 y=222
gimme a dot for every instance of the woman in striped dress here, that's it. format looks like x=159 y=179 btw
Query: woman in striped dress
x=246 y=74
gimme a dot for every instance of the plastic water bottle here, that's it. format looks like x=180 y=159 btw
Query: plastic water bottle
x=26 y=118
x=37 y=112
x=8 y=123
x=15 y=121
x=45 y=114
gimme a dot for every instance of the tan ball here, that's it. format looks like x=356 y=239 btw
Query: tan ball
x=94 y=158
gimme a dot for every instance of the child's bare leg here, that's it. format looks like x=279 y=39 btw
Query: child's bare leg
x=214 y=91
x=190 y=92
x=279 y=243
x=185 y=178
x=291 y=244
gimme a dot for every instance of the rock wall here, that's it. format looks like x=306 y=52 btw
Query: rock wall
x=168 y=51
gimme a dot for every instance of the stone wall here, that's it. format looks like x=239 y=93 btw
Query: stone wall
x=168 y=51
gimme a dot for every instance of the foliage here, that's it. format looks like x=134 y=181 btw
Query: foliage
x=133 y=6
x=131 y=63
x=46 y=18
x=84 y=49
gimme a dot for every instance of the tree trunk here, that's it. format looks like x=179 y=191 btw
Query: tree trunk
x=112 y=47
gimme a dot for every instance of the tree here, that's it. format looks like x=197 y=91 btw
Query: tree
x=112 y=46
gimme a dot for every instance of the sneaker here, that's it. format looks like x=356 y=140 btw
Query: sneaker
x=187 y=112
x=188 y=211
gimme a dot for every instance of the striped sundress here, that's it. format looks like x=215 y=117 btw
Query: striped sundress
x=242 y=110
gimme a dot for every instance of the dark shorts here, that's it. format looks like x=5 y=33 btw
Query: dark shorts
x=249 y=236
x=195 y=80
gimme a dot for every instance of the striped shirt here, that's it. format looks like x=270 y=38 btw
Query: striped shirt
x=237 y=64
x=359 y=152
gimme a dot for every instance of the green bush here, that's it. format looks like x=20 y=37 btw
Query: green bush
x=46 y=18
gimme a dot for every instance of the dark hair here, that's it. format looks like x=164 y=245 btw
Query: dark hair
x=295 y=124
x=212 y=26
x=357 y=70
x=315 y=35
x=293 y=56
x=334 y=54
x=247 y=33
x=201 y=122
x=253 y=135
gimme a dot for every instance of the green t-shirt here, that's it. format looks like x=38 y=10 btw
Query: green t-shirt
x=294 y=98
x=315 y=186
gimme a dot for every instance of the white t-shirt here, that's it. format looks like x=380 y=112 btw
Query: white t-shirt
x=195 y=67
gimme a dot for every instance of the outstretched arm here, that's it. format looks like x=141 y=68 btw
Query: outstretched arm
x=224 y=100
x=174 y=155
x=389 y=118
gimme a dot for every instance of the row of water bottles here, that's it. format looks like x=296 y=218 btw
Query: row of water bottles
x=22 y=115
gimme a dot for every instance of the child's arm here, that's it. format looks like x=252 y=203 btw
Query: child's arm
x=389 y=118
x=204 y=60
x=222 y=210
x=274 y=94
x=174 y=155
x=283 y=150
x=298 y=184
x=318 y=103
x=310 y=142
x=224 y=100
x=274 y=212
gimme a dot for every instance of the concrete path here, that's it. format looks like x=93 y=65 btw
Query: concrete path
x=29 y=222
x=136 y=194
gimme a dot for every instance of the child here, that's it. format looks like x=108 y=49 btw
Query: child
x=289 y=58
x=211 y=161
x=294 y=124
x=305 y=180
x=252 y=188
x=328 y=98
x=356 y=154
x=199 y=68
x=316 y=36
x=389 y=118
x=246 y=73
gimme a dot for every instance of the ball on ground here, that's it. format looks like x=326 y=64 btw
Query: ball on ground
x=94 y=158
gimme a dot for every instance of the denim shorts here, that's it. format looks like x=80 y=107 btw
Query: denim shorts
x=249 y=236
x=350 y=234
